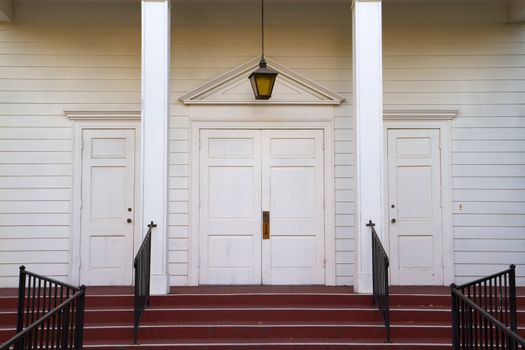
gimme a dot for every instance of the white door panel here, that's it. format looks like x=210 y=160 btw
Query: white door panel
x=414 y=191
x=245 y=172
x=230 y=213
x=108 y=189
x=293 y=194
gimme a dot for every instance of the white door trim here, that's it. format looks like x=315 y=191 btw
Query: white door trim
x=446 y=186
x=78 y=127
x=329 y=222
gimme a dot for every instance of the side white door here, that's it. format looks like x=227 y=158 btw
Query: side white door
x=414 y=206
x=293 y=194
x=230 y=207
x=107 y=214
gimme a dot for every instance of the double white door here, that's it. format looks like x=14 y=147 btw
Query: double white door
x=244 y=173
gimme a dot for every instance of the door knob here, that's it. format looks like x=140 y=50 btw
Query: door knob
x=129 y=221
x=393 y=221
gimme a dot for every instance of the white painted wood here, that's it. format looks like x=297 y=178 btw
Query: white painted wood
x=330 y=247
x=156 y=30
x=292 y=191
x=61 y=47
x=230 y=207
x=7 y=12
x=78 y=129
x=108 y=188
x=414 y=201
x=443 y=126
x=368 y=113
x=243 y=172
x=233 y=88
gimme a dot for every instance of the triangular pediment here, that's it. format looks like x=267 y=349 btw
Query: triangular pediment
x=234 y=87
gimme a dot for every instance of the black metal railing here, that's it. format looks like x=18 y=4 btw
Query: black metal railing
x=380 y=264
x=496 y=294
x=484 y=313
x=50 y=314
x=142 y=266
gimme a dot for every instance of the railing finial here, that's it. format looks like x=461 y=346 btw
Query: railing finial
x=152 y=224
x=370 y=224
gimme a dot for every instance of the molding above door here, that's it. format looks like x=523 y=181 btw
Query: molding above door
x=427 y=114
x=103 y=115
x=233 y=88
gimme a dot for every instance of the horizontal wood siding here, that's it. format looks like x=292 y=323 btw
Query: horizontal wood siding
x=471 y=60
x=211 y=38
x=83 y=56
x=49 y=65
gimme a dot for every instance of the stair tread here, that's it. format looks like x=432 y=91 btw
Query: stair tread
x=306 y=324
x=276 y=341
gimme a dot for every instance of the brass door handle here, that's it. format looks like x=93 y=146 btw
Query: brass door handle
x=266 y=225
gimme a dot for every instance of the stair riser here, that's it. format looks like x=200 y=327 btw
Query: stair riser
x=279 y=347
x=264 y=332
x=236 y=315
x=260 y=300
x=152 y=316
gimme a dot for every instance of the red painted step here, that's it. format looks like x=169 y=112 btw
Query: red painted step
x=265 y=318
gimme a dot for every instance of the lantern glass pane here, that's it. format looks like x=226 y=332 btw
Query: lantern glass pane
x=264 y=84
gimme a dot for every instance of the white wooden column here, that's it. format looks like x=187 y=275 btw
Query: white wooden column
x=368 y=117
x=155 y=112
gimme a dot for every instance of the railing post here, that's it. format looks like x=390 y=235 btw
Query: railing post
x=136 y=301
x=79 y=326
x=65 y=328
x=387 y=303
x=21 y=299
x=512 y=295
x=455 y=318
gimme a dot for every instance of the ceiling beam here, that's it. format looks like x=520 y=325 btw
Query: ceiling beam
x=517 y=10
x=6 y=10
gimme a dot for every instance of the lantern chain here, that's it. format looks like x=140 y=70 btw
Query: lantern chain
x=262 y=27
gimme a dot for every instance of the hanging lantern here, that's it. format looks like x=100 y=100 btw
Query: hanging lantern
x=263 y=79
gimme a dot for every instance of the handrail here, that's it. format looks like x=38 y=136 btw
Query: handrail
x=59 y=326
x=37 y=295
x=380 y=265
x=474 y=327
x=497 y=294
x=142 y=266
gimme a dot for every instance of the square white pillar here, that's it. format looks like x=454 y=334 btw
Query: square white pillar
x=368 y=119
x=155 y=115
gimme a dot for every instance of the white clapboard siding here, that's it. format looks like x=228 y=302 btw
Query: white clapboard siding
x=435 y=57
x=322 y=54
x=478 y=69
x=47 y=66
